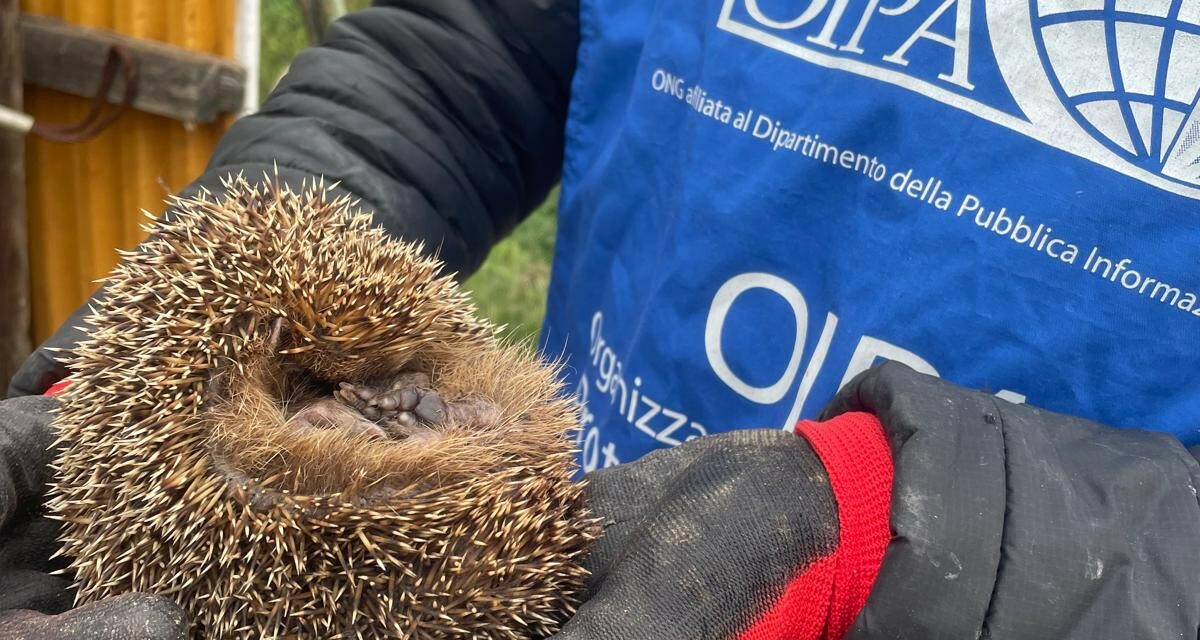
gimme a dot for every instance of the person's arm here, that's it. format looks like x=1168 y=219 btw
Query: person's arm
x=445 y=118
x=1004 y=521
x=1009 y=521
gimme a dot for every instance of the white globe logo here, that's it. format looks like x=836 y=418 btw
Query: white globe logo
x=1128 y=72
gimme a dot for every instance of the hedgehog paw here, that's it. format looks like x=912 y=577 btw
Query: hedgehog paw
x=405 y=408
x=409 y=406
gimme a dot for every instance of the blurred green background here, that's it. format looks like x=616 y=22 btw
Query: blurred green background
x=510 y=288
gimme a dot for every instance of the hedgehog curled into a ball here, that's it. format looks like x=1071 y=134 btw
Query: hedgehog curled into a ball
x=293 y=426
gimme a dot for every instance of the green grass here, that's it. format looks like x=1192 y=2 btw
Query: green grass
x=282 y=37
x=510 y=288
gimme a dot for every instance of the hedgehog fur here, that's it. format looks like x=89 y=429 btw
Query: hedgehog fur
x=234 y=437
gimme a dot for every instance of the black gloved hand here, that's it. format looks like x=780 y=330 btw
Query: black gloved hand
x=737 y=535
x=27 y=540
x=1007 y=521
x=34 y=604
x=133 y=616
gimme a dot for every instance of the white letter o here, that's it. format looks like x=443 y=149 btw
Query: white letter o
x=723 y=302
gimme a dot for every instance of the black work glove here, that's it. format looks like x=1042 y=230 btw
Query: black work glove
x=133 y=616
x=34 y=603
x=736 y=535
x=1006 y=522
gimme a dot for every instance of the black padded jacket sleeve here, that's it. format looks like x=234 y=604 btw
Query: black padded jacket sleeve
x=1013 y=522
x=445 y=117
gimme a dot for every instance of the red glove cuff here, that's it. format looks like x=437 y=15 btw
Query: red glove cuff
x=822 y=602
x=58 y=387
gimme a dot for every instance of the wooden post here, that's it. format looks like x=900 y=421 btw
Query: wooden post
x=14 y=257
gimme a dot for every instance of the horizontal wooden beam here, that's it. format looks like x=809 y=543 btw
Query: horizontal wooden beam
x=173 y=82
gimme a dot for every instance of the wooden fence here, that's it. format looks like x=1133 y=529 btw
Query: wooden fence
x=84 y=200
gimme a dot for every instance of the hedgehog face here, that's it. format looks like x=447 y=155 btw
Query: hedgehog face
x=295 y=427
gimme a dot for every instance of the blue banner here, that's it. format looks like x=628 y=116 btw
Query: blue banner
x=763 y=198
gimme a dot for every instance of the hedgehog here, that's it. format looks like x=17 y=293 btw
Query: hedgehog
x=295 y=426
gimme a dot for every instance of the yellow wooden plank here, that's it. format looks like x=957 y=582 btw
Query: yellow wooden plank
x=191 y=27
x=97 y=181
x=226 y=19
x=42 y=267
x=145 y=147
x=54 y=237
x=51 y=8
x=53 y=222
